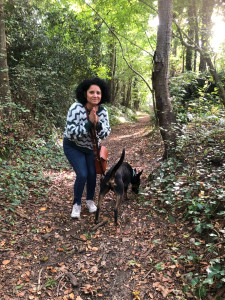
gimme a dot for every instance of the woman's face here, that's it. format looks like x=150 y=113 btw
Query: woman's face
x=94 y=95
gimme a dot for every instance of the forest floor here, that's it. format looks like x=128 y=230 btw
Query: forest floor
x=47 y=255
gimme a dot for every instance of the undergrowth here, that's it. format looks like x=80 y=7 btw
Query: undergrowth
x=190 y=188
x=22 y=173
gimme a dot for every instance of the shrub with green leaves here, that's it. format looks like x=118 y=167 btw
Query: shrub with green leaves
x=23 y=172
x=191 y=185
x=194 y=95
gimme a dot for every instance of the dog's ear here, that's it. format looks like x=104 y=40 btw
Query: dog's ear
x=139 y=174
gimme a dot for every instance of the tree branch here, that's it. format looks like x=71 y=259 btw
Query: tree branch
x=122 y=51
x=133 y=43
x=155 y=10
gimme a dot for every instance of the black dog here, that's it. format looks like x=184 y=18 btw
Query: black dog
x=118 y=179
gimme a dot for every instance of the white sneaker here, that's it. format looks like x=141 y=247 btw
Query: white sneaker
x=76 y=211
x=91 y=206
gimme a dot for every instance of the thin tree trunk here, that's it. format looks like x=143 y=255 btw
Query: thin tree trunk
x=135 y=94
x=207 y=10
x=128 y=94
x=160 y=76
x=196 y=35
x=112 y=64
x=189 y=51
x=5 y=94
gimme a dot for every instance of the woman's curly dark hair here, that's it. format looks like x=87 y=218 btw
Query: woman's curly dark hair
x=84 y=86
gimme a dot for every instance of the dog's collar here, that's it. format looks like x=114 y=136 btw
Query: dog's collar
x=134 y=173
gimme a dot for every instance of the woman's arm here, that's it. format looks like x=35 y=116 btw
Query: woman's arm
x=103 y=127
x=77 y=125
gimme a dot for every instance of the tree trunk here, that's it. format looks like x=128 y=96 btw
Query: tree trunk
x=135 y=94
x=97 y=46
x=207 y=10
x=112 y=64
x=128 y=94
x=116 y=91
x=165 y=115
x=5 y=94
x=196 y=35
x=189 y=51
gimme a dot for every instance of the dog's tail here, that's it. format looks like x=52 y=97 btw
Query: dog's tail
x=116 y=167
x=112 y=172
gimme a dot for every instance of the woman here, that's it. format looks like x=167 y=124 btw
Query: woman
x=77 y=144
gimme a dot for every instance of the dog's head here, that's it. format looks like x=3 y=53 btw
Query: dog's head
x=136 y=180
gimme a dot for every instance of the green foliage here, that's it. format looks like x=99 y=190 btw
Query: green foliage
x=160 y=266
x=191 y=185
x=194 y=95
x=52 y=46
x=42 y=94
x=215 y=271
x=49 y=51
x=50 y=282
x=23 y=163
x=23 y=176
x=220 y=62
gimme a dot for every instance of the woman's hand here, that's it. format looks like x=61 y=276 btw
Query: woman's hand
x=93 y=116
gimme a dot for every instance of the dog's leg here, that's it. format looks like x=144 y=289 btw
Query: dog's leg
x=125 y=193
x=100 y=198
x=118 y=200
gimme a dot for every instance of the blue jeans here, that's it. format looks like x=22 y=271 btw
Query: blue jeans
x=84 y=167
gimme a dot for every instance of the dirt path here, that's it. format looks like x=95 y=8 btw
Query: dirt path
x=55 y=257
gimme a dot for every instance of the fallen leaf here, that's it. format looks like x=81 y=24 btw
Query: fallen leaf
x=71 y=296
x=156 y=284
x=136 y=295
x=43 y=208
x=6 y=262
x=51 y=269
x=21 y=294
x=94 y=269
x=2 y=243
x=66 y=292
x=178 y=274
x=44 y=258
x=60 y=249
x=83 y=237
x=164 y=290
x=87 y=289
x=95 y=248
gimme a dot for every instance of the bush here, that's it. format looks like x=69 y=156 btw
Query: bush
x=193 y=94
x=191 y=185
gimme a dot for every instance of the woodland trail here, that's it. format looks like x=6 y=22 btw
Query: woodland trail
x=56 y=257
